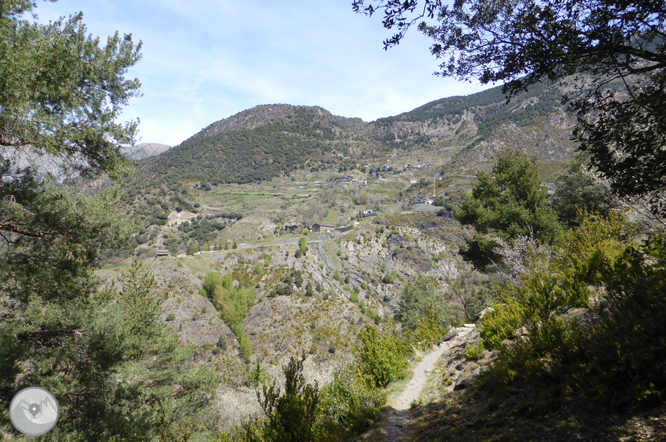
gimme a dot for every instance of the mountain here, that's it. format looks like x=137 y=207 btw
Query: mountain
x=144 y=150
x=263 y=142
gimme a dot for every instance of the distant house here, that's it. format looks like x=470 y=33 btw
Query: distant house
x=293 y=228
x=369 y=212
x=277 y=194
x=319 y=228
x=162 y=253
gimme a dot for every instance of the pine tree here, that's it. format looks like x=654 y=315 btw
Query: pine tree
x=104 y=354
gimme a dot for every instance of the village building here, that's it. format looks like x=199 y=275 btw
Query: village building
x=319 y=228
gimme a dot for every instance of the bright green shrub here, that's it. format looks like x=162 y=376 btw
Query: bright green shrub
x=474 y=352
x=211 y=282
x=623 y=359
x=429 y=328
x=380 y=356
x=501 y=323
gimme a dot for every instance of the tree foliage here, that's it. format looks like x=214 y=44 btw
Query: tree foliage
x=291 y=413
x=511 y=201
x=116 y=369
x=417 y=297
x=380 y=356
x=618 y=48
x=61 y=92
x=578 y=189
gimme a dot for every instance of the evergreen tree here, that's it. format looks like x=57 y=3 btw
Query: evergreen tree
x=115 y=368
x=511 y=201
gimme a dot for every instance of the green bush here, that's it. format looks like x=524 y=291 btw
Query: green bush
x=429 y=328
x=290 y=412
x=222 y=342
x=347 y=404
x=500 y=323
x=245 y=346
x=623 y=360
x=474 y=352
x=353 y=297
x=298 y=278
x=381 y=357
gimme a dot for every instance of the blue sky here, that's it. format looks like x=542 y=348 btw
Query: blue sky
x=205 y=60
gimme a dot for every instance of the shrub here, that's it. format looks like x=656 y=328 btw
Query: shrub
x=347 y=405
x=298 y=278
x=353 y=297
x=474 y=352
x=212 y=281
x=171 y=317
x=429 y=328
x=222 y=342
x=500 y=323
x=381 y=357
x=290 y=414
x=245 y=350
x=623 y=360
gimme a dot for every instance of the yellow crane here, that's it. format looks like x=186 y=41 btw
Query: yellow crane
x=434 y=185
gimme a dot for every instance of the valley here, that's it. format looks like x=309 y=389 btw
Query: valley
x=331 y=171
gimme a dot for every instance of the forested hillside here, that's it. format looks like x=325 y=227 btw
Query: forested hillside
x=266 y=141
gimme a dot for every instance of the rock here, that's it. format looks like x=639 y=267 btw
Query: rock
x=469 y=325
x=450 y=335
x=461 y=384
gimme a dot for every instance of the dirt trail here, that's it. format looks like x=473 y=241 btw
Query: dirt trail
x=397 y=428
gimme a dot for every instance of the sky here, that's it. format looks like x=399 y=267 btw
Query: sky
x=205 y=60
